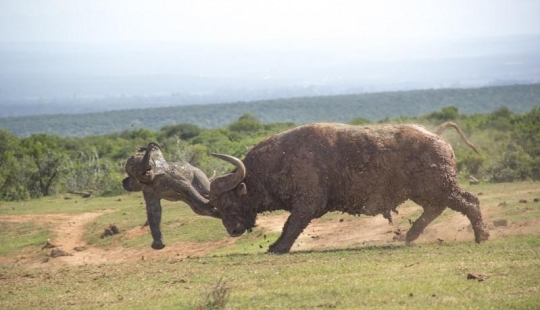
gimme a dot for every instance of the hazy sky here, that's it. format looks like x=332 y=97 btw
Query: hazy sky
x=63 y=48
x=237 y=21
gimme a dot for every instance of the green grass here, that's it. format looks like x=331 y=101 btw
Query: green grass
x=503 y=200
x=15 y=236
x=179 y=223
x=251 y=243
x=381 y=277
x=51 y=205
x=428 y=276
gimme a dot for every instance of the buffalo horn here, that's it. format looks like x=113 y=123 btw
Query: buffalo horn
x=229 y=181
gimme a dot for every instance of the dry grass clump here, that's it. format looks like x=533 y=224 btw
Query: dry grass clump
x=215 y=298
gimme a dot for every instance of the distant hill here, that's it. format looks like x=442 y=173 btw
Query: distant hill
x=343 y=108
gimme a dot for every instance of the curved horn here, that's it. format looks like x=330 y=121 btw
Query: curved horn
x=145 y=163
x=153 y=161
x=229 y=181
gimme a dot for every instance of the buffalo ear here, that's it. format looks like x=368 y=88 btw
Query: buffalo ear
x=241 y=189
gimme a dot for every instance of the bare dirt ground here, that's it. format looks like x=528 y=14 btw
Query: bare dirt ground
x=362 y=231
x=69 y=230
x=321 y=234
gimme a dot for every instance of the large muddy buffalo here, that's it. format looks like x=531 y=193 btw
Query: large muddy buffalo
x=149 y=172
x=318 y=168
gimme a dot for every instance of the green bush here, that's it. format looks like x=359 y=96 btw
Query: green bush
x=245 y=124
x=181 y=131
x=42 y=165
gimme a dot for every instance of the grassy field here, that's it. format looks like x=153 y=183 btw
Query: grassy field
x=237 y=274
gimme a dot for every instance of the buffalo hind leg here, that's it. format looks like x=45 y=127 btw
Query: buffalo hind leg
x=469 y=205
x=294 y=226
x=430 y=213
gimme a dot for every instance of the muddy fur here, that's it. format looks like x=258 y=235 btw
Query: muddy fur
x=149 y=172
x=318 y=168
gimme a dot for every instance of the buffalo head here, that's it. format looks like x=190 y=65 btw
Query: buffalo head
x=226 y=192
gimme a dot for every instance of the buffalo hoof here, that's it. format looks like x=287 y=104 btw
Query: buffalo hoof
x=276 y=253
x=157 y=246
x=276 y=250
x=481 y=236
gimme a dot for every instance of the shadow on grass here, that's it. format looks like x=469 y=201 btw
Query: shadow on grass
x=388 y=248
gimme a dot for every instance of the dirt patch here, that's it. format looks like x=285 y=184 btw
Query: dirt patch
x=356 y=232
x=366 y=230
x=69 y=247
x=344 y=231
x=352 y=232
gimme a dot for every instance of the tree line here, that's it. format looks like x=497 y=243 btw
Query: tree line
x=44 y=164
x=373 y=106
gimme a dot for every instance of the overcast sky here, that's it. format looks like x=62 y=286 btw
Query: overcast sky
x=58 y=48
x=237 y=21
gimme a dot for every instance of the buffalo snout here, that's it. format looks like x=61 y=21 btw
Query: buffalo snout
x=235 y=230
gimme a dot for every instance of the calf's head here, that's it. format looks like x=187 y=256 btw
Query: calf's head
x=226 y=193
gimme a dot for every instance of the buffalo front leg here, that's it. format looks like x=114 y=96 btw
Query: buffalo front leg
x=294 y=226
x=153 y=213
x=430 y=213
